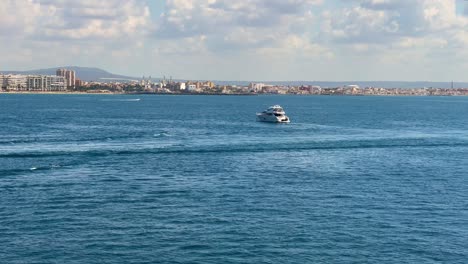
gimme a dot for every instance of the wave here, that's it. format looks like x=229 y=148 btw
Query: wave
x=134 y=136
x=32 y=169
x=138 y=149
x=121 y=100
x=17 y=141
x=161 y=134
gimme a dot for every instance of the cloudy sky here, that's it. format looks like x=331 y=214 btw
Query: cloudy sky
x=241 y=40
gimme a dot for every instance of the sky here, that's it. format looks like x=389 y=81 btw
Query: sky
x=270 y=40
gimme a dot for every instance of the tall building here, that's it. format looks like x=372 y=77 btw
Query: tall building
x=61 y=72
x=3 y=81
x=69 y=76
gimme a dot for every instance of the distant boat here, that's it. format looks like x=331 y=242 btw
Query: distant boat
x=274 y=114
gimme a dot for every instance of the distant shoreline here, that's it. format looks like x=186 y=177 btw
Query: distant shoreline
x=84 y=93
x=223 y=94
x=71 y=93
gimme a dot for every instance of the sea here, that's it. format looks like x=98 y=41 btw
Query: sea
x=195 y=179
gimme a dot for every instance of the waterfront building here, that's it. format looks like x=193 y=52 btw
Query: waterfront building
x=69 y=75
x=256 y=87
x=2 y=81
x=71 y=78
x=46 y=83
x=37 y=82
x=192 y=87
x=78 y=83
x=181 y=86
x=209 y=85
x=13 y=82
x=43 y=83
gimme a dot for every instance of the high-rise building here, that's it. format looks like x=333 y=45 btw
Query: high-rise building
x=69 y=75
x=61 y=72
x=3 y=81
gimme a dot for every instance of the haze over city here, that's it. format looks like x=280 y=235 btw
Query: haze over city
x=418 y=40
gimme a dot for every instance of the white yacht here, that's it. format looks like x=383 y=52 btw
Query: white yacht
x=274 y=114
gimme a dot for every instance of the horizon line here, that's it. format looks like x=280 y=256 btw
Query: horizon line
x=245 y=80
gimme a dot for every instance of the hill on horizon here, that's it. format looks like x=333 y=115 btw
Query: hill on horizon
x=82 y=73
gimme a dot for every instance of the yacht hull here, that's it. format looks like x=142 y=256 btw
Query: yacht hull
x=272 y=119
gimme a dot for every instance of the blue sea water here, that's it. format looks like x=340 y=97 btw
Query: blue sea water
x=194 y=179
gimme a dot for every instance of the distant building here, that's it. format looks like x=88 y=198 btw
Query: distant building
x=256 y=87
x=42 y=83
x=209 y=85
x=3 y=81
x=192 y=87
x=351 y=89
x=181 y=86
x=46 y=83
x=71 y=78
x=61 y=72
x=69 y=75
x=13 y=82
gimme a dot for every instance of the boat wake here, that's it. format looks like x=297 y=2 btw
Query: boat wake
x=154 y=148
x=121 y=100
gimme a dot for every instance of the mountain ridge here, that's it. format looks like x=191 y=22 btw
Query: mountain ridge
x=82 y=73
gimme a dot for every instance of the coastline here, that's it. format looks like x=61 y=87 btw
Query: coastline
x=57 y=93
x=85 y=93
x=225 y=94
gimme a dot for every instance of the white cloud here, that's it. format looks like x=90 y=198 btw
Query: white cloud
x=226 y=24
x=48 y=33
x=390 y=20
x=18 y=17
x=288 y=35
x=65 y=19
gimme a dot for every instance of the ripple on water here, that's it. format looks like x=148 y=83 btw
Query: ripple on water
x=151 y=182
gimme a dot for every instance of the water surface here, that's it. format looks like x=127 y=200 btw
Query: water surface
x=194 y=179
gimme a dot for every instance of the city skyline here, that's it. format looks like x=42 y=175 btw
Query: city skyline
x=243 y=40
